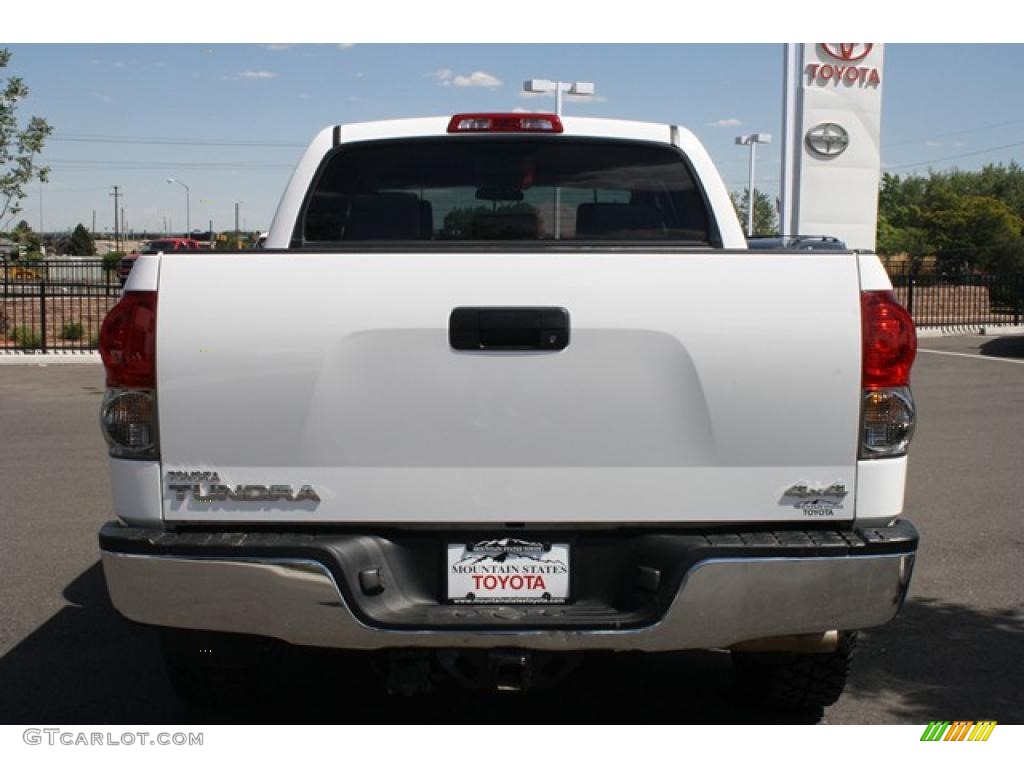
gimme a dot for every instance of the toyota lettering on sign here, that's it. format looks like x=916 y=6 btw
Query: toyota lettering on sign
x=842 y=64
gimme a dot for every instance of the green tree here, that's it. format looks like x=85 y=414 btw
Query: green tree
x=766 y=222
x=81 y=243
x=976 y=231
x=19 y=147
x=23 y=235
x=967 y=220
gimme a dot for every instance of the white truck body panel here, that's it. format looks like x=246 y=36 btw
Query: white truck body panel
x=670 y=404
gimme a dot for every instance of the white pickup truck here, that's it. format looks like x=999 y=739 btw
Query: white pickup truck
x=503 y=387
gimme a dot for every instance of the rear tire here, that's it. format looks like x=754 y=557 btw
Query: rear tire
x=795 y=681
x=211 y=669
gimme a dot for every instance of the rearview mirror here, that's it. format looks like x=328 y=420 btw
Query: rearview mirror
x=500 y=194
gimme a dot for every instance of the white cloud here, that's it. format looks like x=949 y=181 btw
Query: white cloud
x=726 y=122
x=279 y=46
x=477 y=80
x=346 y=45
x=933 y=143
x=257 y=74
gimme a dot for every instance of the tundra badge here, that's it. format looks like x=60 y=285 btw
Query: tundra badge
x=183 y=483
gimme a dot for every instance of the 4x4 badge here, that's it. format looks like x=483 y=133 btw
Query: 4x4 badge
x=836 y=490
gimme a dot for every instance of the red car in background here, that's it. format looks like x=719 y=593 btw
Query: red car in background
x=164 y=245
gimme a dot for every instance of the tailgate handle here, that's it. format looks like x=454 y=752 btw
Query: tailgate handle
x=500 y=328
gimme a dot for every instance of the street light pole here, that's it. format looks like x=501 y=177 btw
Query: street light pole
x=750 y=190
x=558 y=87
x=188 y=195
x=752 y=140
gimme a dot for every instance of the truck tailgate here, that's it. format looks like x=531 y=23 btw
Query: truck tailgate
x=697 y=386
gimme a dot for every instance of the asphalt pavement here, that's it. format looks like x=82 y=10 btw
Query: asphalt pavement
x=956 y=651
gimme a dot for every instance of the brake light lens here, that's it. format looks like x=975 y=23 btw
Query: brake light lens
x=505 y=122
x=128 y=341
x=889 y=341
x=888 y=415
x=128 y=348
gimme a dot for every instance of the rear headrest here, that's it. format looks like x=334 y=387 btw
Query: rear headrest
x=426 y=220
x=325 y=217
x=602 y=219
x=383 y=217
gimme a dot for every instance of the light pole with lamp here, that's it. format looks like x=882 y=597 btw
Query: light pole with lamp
x=558 y=87
x=752 y=139
x=188 y=194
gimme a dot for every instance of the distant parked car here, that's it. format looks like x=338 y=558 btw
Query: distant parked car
x=797 y=243
x=166 y=245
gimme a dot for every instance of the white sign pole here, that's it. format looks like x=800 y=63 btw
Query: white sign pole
x=793 y=57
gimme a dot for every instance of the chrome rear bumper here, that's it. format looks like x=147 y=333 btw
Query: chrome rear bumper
x=720 y=602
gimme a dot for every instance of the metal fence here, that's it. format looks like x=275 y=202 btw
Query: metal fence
x=57 y=304
x=935 y=299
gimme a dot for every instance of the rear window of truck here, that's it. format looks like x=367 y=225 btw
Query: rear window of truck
x=468 y=189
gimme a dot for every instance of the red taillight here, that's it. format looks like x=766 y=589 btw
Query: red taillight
x=505 y=122
x=128 y=341
x=889 y=341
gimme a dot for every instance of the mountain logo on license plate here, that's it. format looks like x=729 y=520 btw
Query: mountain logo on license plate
x=508 y=571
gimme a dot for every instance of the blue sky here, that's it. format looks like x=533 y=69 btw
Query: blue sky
x=231 y=120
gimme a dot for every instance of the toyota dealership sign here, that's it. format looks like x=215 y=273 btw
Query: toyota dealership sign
x=831 y=141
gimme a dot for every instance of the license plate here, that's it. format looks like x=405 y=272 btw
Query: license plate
x=508 y=571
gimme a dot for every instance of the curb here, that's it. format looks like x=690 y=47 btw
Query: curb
x=50 y=358
x=970 y=330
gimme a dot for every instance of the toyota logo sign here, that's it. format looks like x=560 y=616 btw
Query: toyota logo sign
x=828 y=140
x=847 y=51
x=838 y=66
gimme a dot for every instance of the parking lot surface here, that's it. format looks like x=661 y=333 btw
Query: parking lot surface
x=956 y=652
